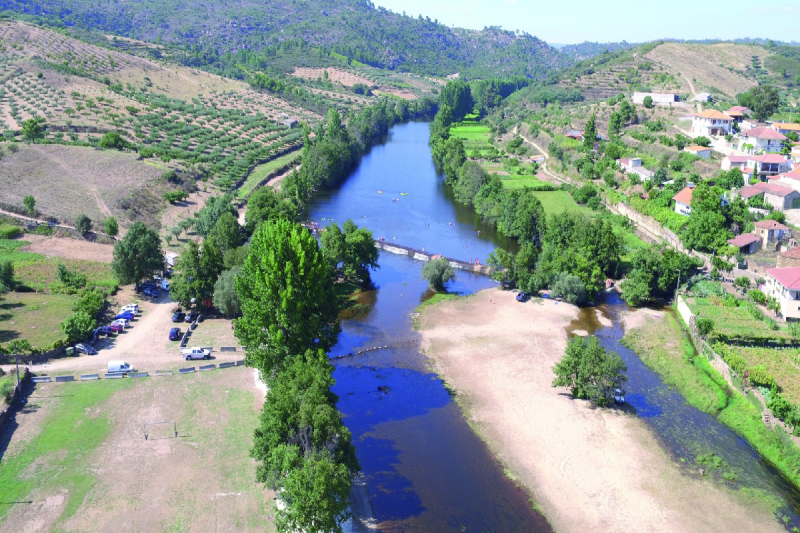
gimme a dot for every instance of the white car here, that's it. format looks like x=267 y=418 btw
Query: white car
x=116 y=367
x=196 y=353
x=124 y=322
x=133 y=308
x=163 y=284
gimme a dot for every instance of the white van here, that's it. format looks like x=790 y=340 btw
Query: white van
x=119 y=366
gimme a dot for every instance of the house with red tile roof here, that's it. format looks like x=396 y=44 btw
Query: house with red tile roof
x=711 y=123
x=784 y=285
x=699 y=151
x=747 y=243
x=738 y=113
x=762 y=138
x=766 y=165
x=771 y=231
x=785 y=127
x=789 y=258
x=683 y=201
x=779 y=197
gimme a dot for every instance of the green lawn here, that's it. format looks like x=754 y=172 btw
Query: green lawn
x=9 y=251
x=470 y=132
x=558 y=202
x=33 y=316
x=262 y=171
x=58 y=455
x=779 y=363
x=520 y=181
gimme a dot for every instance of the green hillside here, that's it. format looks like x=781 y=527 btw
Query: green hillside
x=355 y=29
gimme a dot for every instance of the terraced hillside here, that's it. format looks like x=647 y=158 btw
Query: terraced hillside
x=176 y=118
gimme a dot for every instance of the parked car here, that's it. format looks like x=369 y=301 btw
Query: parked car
x=103 y=330
x=116 y=328
x=523 y=296
x=127 y=315
x=124 y=322
x=191 y=316
x=85 y=348
x=119 y=366
x=133 y=308
x=175 y=334
x=196 y=353
x=178 y=316
x=619 y=396
x=162 y=284
x=152 y=293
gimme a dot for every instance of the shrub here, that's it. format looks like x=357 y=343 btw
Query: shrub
x=7 y=388
x=9 y=232
x=569 y=287
x=438 y=272
x=175 y=196
x=704 y=326
x=702 y=141
x=759 y=376
x=757 y=296
x=83 y=224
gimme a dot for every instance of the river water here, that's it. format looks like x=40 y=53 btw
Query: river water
x=425 y=468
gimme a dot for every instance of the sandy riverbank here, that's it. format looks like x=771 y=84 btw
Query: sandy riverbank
x=588 y=469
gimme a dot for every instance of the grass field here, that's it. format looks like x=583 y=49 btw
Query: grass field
x=79 y=456
x=521 y=181
x=39 y=274
x=9 y=251
x=733 y=322
x=33 y=316
x=558 y=202
x=262 y=171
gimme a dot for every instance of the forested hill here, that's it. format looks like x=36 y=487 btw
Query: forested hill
x=354 y=28
x=587 y=50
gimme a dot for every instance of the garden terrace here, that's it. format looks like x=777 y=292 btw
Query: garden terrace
x=782 y=365
x=736 y=324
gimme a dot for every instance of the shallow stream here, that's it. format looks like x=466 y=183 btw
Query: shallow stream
x=425 y=468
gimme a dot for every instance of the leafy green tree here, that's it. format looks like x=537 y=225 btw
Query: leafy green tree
x=83 y=224
x=265 y=204
x=742 y=282
x=138 y=255
x=91 y=302
x=32 y=130
x=212 y=211
x=590 y=372
x=225 y=297
x=196 y=273
x=438 y=272
x=762 y=100
x=648 y=102
x=702 y=141
x=654 y=274
x=706 y=227
x=111 y=227
x=226 y=232
x=113 y=141
x=590 y=134
x=70 y=278
x=30 y=205
x=77 y=326
x=615 y=124
x=457 y=96
x=303 y=447
x=7 y=282
x=569 y=287
x=289 y=304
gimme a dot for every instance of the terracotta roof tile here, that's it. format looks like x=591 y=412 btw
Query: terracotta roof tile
x=745 y=239
x=763 y=132
x=770 y=224
x=794 y=253
x=788 y=277
x=715 y=115
x=685 y=196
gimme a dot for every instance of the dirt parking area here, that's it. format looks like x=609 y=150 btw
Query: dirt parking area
x=588 y=469
x=77 y=460
x=68 y=248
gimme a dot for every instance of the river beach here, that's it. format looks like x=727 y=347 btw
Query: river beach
x=587 y=469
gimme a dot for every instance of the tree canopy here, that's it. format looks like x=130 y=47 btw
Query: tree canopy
x=438 y=272
x=762 y=100
x=590 y=372
x=196 y=273
x=138 y=255
x=288 y=300
x=350 y=250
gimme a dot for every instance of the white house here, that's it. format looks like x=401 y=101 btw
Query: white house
x=711 y=123
x=658 y=98
x=767 y=165
x=683 y=201
x=702 y=97
x=784 y=285
x=795 y=154
x=735 y=161
x=785 y=127
x=779 y=197
x=634 y=166
x=738 y=113
x=761 y=139
x=699 y=151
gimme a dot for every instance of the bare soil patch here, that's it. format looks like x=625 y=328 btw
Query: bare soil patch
x=69 y=180
x=702 y=64
x=68 y=248
x=589 y=469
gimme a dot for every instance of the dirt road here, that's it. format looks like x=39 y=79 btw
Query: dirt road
x=588 y=469
x=543 y=166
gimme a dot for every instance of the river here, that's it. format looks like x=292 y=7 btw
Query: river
x=425 y=469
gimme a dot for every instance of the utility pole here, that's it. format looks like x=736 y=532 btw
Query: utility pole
x=678 y=270
x=16 y=360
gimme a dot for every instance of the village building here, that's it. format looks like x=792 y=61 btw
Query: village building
x=795 y=154
x=789 y=258
x=738 y=113
x=735 y=161
x=574 y=134
x=779 y=197
x=711 y=123
x=658 y=98
x=785 y=127
x=683 y=201
x=537 y=158
x=761 y=139
x=702 y=97
x=767 y=165
x=747 y=243
x=784 y=285
x=634 y=166
x=699 y=151
x=771 y=231
x=290 y=123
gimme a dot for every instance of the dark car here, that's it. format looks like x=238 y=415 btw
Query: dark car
x=523 y=297
x=178 y=316
x=85 y=348
x=146 y=285
x=152 y=293
x=175 y=334
x=126 y=315
x=191 y=316
x=103 y=330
